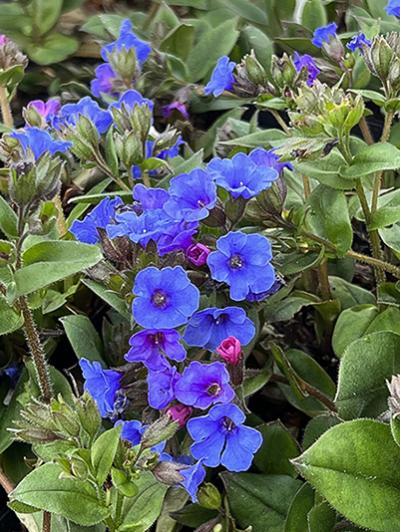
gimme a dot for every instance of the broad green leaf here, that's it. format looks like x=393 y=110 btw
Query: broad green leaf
x=54 y=48
x=103 y=453
x=10 y=413
x=260 y=501
x=141 y=511
x=321 y=518
x=8 y=219
x=103 y=26
x=364 y=368
x=285 y=309
x=84 y=338
x=71 y=498
x=258 y=138
x=45 y=14
x=385 y=216
x=357 y=457
x=302 y=503
x=326 y=171
x=376 y=97
x=296 y=262
x=277 y=449
x=350 y=294
x=214 y=43
x=12 y=76
x=391 y=237
x=388 y=320
x=10 y=319
x=255 y=380
x=50 y=261
x=110 y=297
x=316 y=427
x=179 y=41
x=375 y=158
x=329 y=217
x=351 y=325
x=193 y=515
x=246 y=10
x=313 y=15
x=262 y=45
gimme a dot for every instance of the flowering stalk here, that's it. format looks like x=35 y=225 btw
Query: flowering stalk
x=5 y=108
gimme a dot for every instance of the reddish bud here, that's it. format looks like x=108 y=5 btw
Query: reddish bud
x=230 y=350
x=197 y=254
x=180 y=413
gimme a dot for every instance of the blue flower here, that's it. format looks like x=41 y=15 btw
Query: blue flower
x=161 y=387
x=176 y=236
x=220 y=438
x=263 y=158
x=102 y=384
x=324 y=34
x=132 y=431
x=241 y=176
x=193 y=476
x=243 y=262
x=127 y=40
x=150 y=198
x=393 y=8
x=202 y=385
x=152 y=345
x=71 y=112
x=140 y=229
x=86 y=230
x=46 y=109
x=222 y=78
x=39 y=141
x=103 y=82
x=192 y=195
x=307 y=63
x=209 y=327
x=358 y=41
x=164 y=298
x=129 y=99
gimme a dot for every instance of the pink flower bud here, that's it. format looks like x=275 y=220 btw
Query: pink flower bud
x=230 y=350
x=3 y=39
x=197 y=254
x=180 y=413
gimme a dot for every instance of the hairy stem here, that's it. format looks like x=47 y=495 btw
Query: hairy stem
x=279 y=119
x=46 y=525
x=5 y=108
x=366 y=132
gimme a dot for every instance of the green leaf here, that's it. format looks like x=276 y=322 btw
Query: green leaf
x=316 y=427
x=81 y=208
x=357 y=457
x=285 y=309
x=329 y=217
x=141 y=511
x=246 y=10
x=103 y=26
x=277 y=449
x=260 y=501
x=110 y=297
x=351 y=325
x=321 y=518
x=45 y=14
x=262 y=45
x=193 y=515
x=375 y=158
x=364 y=368
x=10 y=413
x=255 y=380
x=10 y=319
x=103 y=453
x=179 y=41
x=302 y=503
x=12 y=76
x=326 y=171
x=313 y=15
x=50 y=261
x=72 y=498
x=84 y=338
x=8 y=219
x=214 y=43
x=53 y=49
x=350 y=294
x=258 y=138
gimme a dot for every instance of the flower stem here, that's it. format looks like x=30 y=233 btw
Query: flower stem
x=366 y=132
x=279 y=119
x=5 y=108
x=46 y=525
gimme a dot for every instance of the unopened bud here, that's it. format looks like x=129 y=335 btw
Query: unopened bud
x=394 y=397
x=168 y=473
x=209 y=497
x=334 y=49
x=255 y=70
x=230 y=350
x=197 y=254
x=124 y=62
x=88 y=414
x=180 y=413
x=162 y=429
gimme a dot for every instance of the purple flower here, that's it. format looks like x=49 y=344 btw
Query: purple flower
x=161 y=387
x=169 y=109
x=150 y=198
x=86 y=230
x=241 y=176
x=152 y=345
x=129 y=99
x=132 y=431
x=324 y=34
x=126 y=41
x=393 y=8
x=176 y=236
x=164 y=298
x=260 y=296
x=103 y=82
x=38 y=141
x=46 y=109
x=71 y=112
x=307 y=63
x=209 y=327
x=180 y=413
x=357 y=42
x=243 y=262
x=222 y=78
x=263 y=157
x=4 y=39
x=197 y=254
x=221 y=438
x=102 y=384
x=192 y=195
x=202 y=385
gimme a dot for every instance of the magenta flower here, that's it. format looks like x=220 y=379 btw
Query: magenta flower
x=197 y=254
x=180 y=107
x=230 y=350
x=180 y=413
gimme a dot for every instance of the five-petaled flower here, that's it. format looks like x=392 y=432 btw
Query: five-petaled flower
x=222 y=78
x=358 y=41
x=324 y=34
x=306 y=62
x=202 y=385
x=86 y=230
x=221 y=438
x=164 y=298
x=243 y=262
x=127 y=40
x=38 y=142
